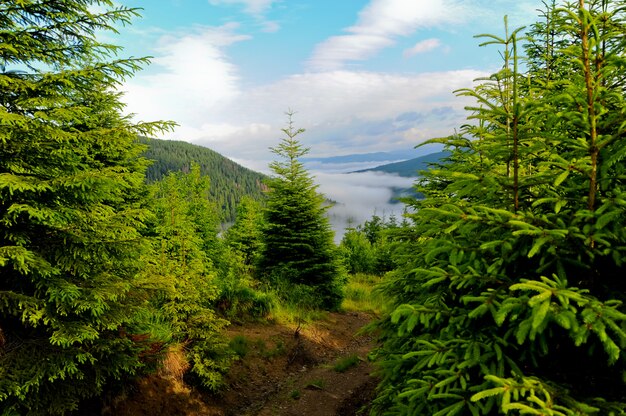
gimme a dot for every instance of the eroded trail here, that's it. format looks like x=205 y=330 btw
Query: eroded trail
x=321 y=370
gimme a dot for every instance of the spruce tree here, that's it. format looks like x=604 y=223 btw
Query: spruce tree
x=70 y=215
x=511 y=298
x=181 y=266
x=299 y=257
x=244 y=236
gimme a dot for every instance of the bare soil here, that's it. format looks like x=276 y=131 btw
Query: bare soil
x=283 y=371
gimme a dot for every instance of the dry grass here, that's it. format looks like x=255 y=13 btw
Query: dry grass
x=174 y=364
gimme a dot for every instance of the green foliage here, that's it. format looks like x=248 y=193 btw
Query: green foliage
x=360 y=294
x=278 y=349
x=230 y=182
x=509 y=297
x=184 y=238
x=367 y=248
x=239 y=345
x=298 y=254
x=72 y=317
x=244 y=237
x=357 y=252
x=239 y=297
x=238 y=300
x=318 y=384
x=344 y=364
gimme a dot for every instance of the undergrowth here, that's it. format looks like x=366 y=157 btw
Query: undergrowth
x=360 y=294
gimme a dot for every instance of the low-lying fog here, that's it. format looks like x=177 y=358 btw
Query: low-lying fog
x=358 y=196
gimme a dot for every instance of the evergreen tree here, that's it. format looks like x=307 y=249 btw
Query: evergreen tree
x=357 y=251
x=244 y=237
x=511 y=297
x=70 y=216
x=239 y=296
x=299 y=256
x=367 y=248
x=184 y=237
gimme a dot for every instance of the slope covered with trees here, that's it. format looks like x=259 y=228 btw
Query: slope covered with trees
x=229 y=180
x=509 y=298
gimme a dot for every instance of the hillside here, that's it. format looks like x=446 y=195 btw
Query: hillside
x=229 y=180
x=409 y=168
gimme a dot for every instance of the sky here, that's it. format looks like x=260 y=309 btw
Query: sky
x=360 y=75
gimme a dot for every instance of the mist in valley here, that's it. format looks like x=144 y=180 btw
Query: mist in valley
x=360 y=195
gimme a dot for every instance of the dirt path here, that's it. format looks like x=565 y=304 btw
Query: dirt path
x=279 y=374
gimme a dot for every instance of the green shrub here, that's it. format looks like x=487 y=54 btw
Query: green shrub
x=243 y=302
x=278 y=350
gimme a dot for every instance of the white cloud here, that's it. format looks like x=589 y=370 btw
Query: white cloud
x=269 y=26
x=426 y=45
x=194 y=82
x=255 y=7
x=343 y=112
x=190 y=76
x=378 y=26
x=338 y=96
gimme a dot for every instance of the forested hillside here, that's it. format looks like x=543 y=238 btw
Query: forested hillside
x=229 y=180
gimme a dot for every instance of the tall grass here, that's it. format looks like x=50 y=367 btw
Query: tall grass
x=360 y=294
x=285 y=313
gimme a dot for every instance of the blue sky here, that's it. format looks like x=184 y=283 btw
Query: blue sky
x=362 y=75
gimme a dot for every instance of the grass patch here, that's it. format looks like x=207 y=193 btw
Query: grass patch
x=239 y=345
x=241 y=303
x=268 y=353
x=294 y=315
x=318 y=384
x=295 y=394
x=359 y=294
x=344 y=364
x=174 y=364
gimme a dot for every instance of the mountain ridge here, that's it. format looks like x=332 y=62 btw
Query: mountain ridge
x=408 y=168
x=396 y=155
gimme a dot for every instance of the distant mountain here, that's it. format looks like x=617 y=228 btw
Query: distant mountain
x=375 y=157
x=229 y=180
x=409 y=168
